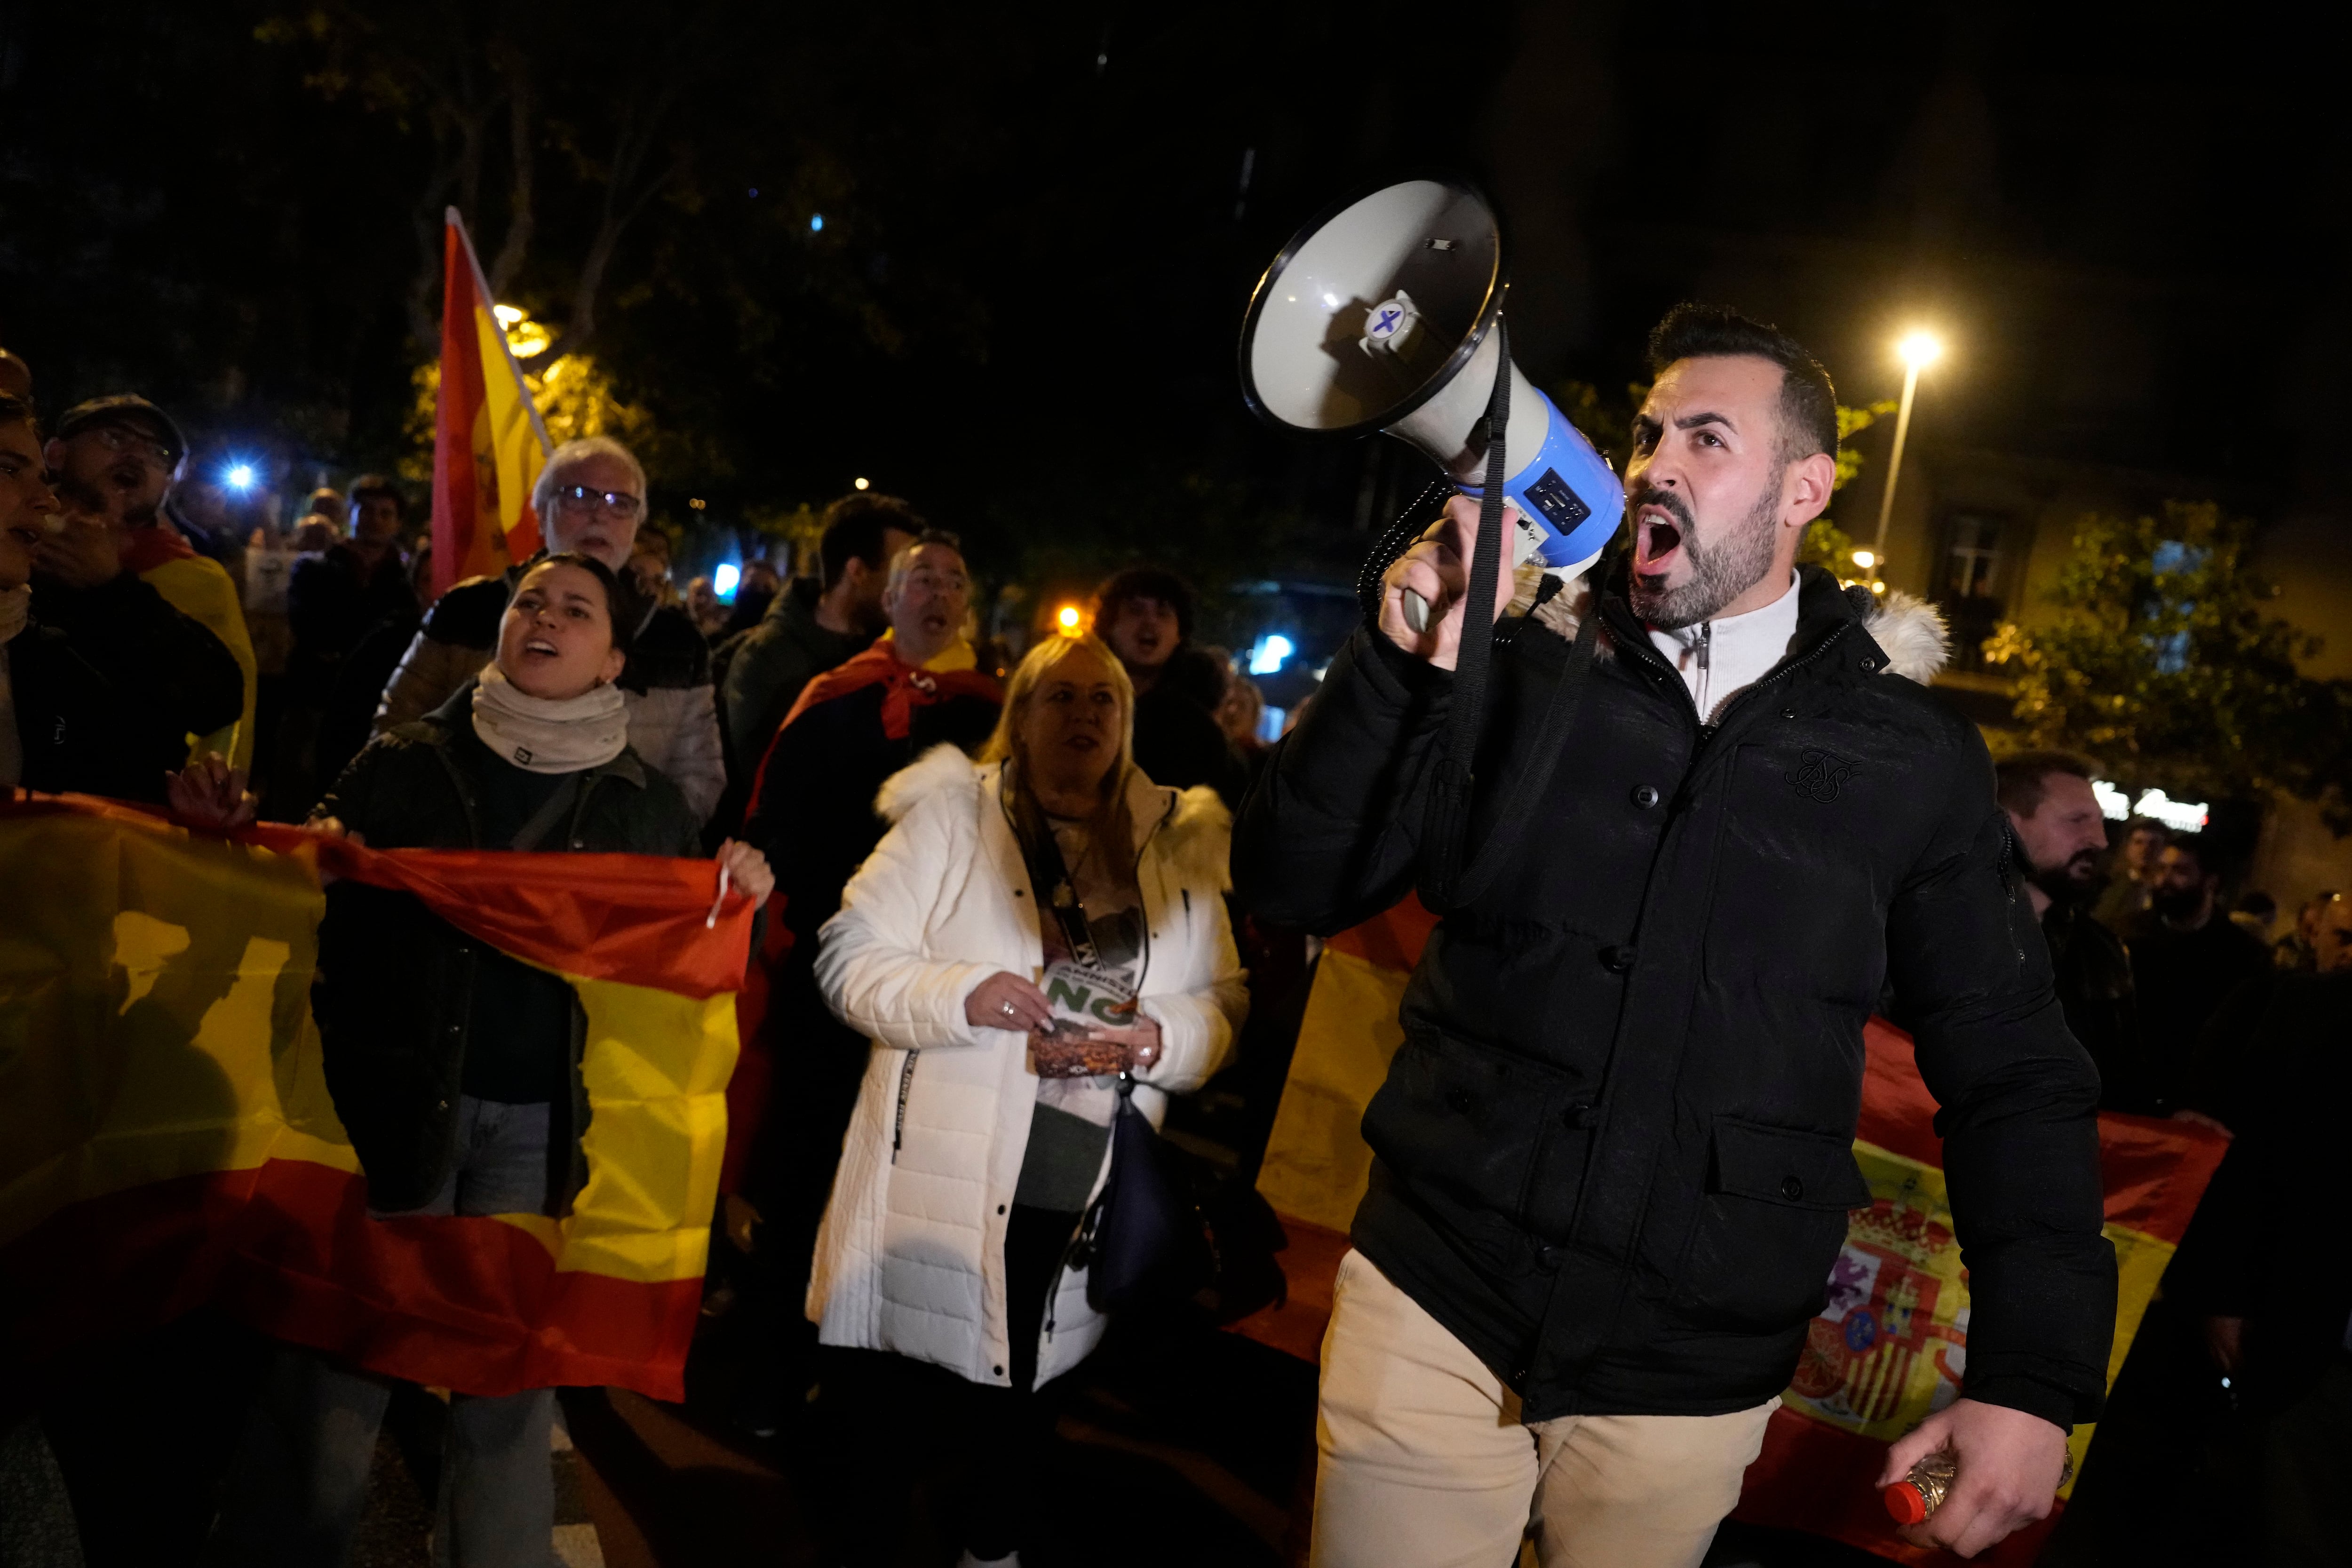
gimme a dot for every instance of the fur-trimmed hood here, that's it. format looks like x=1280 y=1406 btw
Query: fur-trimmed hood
x=1193 y=827
x=1908 y=629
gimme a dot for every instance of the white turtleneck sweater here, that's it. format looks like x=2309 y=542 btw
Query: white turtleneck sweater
x=1718 y=660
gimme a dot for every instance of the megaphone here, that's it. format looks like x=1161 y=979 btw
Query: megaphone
x=1378 y=315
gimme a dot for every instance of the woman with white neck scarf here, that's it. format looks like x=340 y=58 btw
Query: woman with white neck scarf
x=455 y=1069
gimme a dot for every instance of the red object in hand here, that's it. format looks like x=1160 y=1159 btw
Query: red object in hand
x=1911 y=1499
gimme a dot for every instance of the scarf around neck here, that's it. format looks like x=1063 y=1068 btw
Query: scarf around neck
x=15 y=611
x=544 y=736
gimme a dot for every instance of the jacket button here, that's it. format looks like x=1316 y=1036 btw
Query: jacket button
x=1645 y=796
x=441 y=1105
x=1580 y=1115
x=1000 y=1209
x=1459 y=1099
x=999 y=1371
x=1548 y=1254
x=1788 y=712
x=1617 y=960
x=1869 y=664
x=1792 y=1188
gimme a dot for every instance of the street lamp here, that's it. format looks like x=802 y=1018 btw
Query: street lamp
x=1919 y=348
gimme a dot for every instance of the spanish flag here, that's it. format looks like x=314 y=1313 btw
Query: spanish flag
x=167 y=1140
x=1890 y=1346
x=488 y=444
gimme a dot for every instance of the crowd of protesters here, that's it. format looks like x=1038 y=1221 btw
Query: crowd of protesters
x=944 y=825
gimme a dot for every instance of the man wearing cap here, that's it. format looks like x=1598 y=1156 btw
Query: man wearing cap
x=115 y=458
x=99 y=684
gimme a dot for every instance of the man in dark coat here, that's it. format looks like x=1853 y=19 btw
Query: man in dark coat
x=812 y=815
x=2062 y=834
x=102 y=681
x=1614 y=1151
x=811 y=627
x=1145 y=614
x=2187 y=956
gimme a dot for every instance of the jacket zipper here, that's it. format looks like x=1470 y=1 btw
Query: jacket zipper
x=1779 y=672
x=898 y=1126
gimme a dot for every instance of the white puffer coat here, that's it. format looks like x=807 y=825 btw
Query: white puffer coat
x=911 y=1255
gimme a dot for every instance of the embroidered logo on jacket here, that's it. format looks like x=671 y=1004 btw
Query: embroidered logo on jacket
x=1819 y=775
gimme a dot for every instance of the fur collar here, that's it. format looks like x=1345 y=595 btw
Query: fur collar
x=1909 y=630
x=1193 y=827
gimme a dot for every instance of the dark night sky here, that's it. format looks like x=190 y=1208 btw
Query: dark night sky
x=1022 y=310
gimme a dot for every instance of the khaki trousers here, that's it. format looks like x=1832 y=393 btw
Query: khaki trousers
x=1426 y=1464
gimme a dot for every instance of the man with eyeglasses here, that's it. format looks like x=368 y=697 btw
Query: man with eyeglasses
x=813 y=805
x=590 y=498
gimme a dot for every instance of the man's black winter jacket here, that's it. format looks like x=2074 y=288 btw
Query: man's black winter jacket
x=1613 y=1153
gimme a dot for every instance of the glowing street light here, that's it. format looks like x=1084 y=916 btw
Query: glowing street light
x=862 y=484
x=240 y=475
x=1918 y=349
x=1865 y=559
x=1069 y=620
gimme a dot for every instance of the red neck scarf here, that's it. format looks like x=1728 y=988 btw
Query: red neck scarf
x=907 y=687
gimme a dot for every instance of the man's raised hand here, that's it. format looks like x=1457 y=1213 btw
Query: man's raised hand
x=1438 y=568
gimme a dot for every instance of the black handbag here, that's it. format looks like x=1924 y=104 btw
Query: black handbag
x=1143 y=1242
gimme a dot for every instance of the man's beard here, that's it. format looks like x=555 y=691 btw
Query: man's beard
x=1720 y=572
x=2071 y=882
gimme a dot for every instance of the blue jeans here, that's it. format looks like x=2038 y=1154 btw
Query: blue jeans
x=300 y=1481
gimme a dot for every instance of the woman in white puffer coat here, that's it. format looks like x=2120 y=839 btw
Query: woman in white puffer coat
x=1000 y=1015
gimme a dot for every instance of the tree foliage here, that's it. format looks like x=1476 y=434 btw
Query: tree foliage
x=2162 y=665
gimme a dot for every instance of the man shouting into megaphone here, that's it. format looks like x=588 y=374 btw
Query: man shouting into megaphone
x=1712 y=821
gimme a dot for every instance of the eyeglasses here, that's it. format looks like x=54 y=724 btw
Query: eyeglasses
x=119 y=439
x=613 y=503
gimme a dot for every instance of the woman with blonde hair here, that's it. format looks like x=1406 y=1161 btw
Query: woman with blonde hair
x=1033 y=926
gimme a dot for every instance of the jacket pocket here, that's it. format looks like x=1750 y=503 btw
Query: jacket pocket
x=1460 y=1124
x=1769 y=1227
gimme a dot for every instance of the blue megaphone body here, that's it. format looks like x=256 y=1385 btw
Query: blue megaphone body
x=1380 y=315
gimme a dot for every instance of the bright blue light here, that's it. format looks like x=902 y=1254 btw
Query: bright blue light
x=240 y=475
x=724 y=580
x=1266 y=657
x=816 y=223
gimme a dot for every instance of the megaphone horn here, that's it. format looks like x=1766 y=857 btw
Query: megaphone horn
x=1378 y=315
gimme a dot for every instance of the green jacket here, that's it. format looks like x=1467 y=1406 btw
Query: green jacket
x=395 y=986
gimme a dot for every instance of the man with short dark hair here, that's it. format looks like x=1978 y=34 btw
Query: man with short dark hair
x=334 y=602
x=1145 y=614
x=1613 y=1155
x=102 y=681
x=591 y=496
x=2187 y=955
x=116 y=460
x=813 y=625
x=2063 y=834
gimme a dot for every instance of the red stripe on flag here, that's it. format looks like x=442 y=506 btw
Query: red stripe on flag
x=633 y=919
x=471 y=1304
x=448 y=1302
